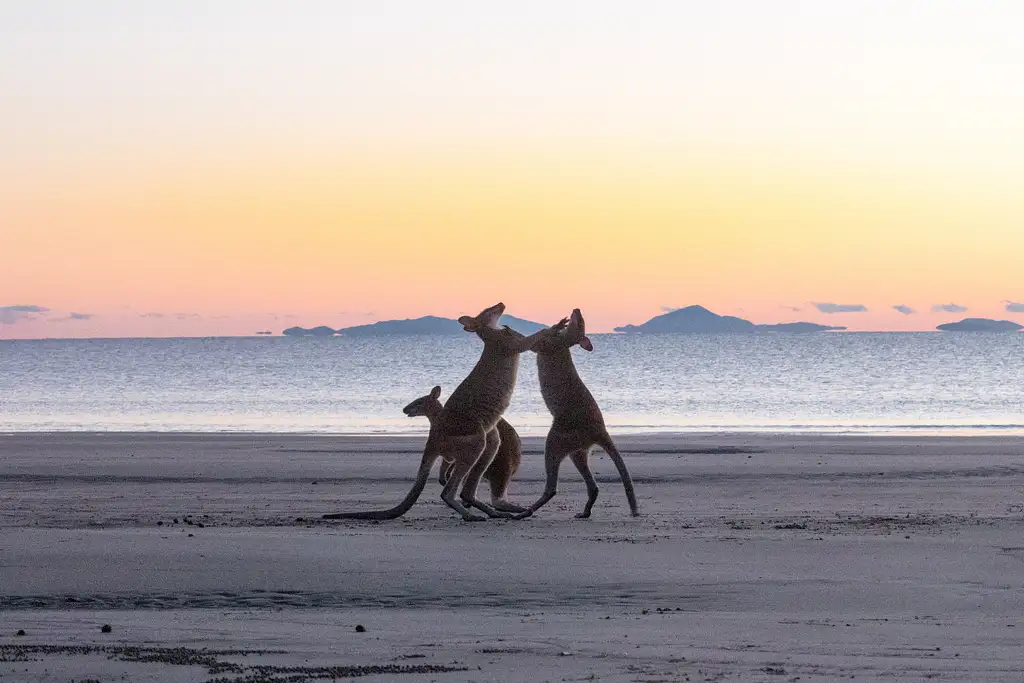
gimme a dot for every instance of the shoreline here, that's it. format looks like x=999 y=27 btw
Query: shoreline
x=897 y=431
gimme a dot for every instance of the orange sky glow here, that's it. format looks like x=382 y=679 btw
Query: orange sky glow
x=345 y=183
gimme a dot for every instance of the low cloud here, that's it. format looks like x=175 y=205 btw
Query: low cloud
x=948 y=308
x=12 y=314
x=186 y=316
x=904 y=309
x=669 y=309
x=794 y=309
x=74 y=316
x=151 y=315
x=840 y=308
x=1014 y=307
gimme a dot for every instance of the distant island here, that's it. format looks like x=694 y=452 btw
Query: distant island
x=264 y=332
x=981 y=325
x=689 y=320
x=426 y=325
x=698 y=320
x=431 y=324
x=321 y=331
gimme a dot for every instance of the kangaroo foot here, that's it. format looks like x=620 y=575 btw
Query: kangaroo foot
x=466 y=514
x=487 y=509
x=583 y=515
x=506 y=506
x=523 y=515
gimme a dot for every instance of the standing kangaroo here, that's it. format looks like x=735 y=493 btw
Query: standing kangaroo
x=505 y=463
x=466 y=427
x=578 y=425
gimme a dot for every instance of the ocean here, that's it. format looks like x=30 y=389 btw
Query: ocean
x=851 y=382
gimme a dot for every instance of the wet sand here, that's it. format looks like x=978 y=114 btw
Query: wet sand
x=758 y=557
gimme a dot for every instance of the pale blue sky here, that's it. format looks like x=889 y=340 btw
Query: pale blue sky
x=914 y=77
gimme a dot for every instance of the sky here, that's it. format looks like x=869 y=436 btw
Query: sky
x=185 y=168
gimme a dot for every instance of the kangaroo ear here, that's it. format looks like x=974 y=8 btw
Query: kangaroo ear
x=585 y=344
x=435 y=392
x=469 y=324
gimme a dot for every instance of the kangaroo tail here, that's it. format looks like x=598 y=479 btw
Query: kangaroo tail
x=394 y=513
x=606 y=443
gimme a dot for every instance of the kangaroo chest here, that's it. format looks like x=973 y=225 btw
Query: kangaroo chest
x=560 y=385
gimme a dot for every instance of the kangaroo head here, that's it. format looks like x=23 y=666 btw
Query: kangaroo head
x=486 y=318
x=574 y=333
x=425 y=406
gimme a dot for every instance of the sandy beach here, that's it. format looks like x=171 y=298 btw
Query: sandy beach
x=758 y=557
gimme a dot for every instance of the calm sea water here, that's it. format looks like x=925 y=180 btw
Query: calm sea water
x=824 y=382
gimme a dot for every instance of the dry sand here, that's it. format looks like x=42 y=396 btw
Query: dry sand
x=774 y=558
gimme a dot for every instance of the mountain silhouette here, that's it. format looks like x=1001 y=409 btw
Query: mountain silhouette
x=698 y=320
x=321 y=331
x=981 y=325
x=431 y=324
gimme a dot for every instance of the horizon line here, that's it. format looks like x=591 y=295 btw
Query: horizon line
x=428 y=334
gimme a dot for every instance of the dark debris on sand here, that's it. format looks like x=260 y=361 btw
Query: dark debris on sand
x=301 y=674
x=211 y=660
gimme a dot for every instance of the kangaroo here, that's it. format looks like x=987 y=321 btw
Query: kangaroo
x=578 y=425
x=465 y=429
x=505 y=463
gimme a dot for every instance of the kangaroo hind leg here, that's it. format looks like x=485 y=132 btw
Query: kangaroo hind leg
x=445 y=471
x=557 y=446
x=466 y=451
x=606 y=443
x=579 y=458
x=498 y=476
x=492 y=442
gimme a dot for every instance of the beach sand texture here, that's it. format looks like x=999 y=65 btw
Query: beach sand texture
x=757 y=558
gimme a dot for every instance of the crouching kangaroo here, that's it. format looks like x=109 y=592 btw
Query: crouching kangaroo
x=466 y=428
x=578 y=425
x=505 y=463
